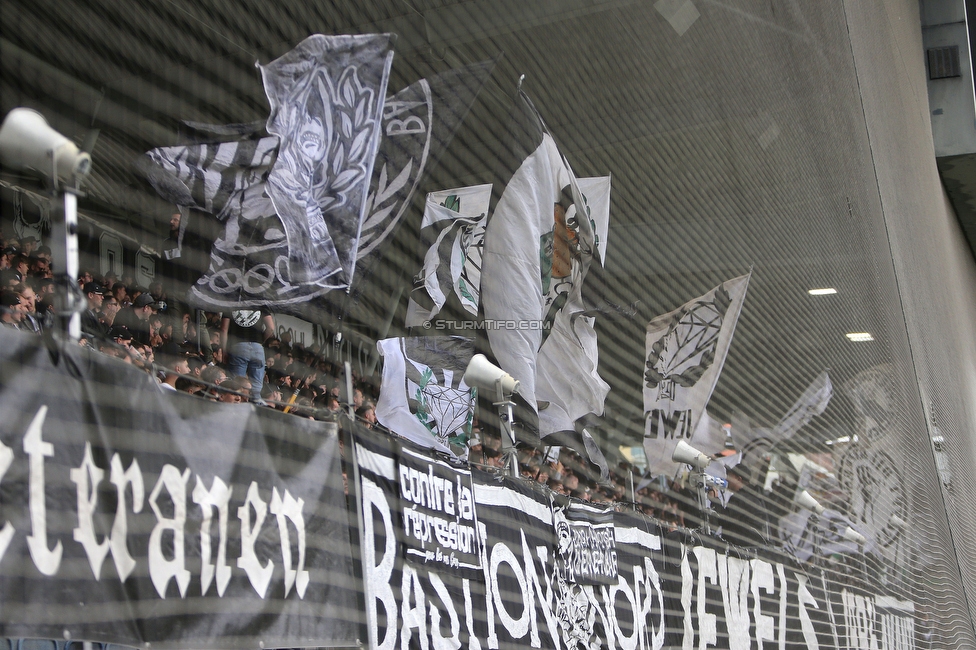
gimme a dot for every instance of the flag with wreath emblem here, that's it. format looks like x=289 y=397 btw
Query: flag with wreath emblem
x=686 y=350
x=326 y=99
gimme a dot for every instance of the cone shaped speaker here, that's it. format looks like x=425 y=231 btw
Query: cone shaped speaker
x=898 y=522
x=685 y=453
x=27 y=141
x=806 y=500
x=852 y=535
x=483 y=374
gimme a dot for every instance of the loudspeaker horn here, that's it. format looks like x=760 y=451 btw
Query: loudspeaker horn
x=685 y=453
x=806 y=500
x=27 y=141
x=852 y=535
x=482 y=373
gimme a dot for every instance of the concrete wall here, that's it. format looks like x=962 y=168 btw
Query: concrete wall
x=951 y=101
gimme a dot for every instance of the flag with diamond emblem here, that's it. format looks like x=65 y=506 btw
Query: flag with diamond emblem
x=685 y=352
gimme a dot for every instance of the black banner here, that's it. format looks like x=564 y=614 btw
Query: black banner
x=136 y=516
x=437 y=504
x=586 y=547
x=668 y=590
x=133 y=515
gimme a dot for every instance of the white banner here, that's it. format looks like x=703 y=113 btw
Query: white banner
x=453 y=230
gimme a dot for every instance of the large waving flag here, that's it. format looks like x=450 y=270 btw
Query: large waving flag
x=423 y=396
x=568 y=385
x=326 y=100
x=211 y=176
x=453 y=232
x=754 y=443
x=418 y=124
x=686 y=349
x=249 y=263
x=811 y=403
x=539 y=243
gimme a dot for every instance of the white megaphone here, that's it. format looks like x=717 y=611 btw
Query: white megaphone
x=852 y=535
x=482 y=373
x=898 y=522
x=685 y=453
x=806 y=500
x=27 y=141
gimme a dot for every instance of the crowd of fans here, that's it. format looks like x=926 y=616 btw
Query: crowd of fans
x=226 y=358
x=184 y=349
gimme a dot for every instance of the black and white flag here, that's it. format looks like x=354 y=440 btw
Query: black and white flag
x=248 y=260
x=874 y=477
x=754 y=443
x=539 y=243
x=292 y=198
x=211 y=176
x=249 y=264
x=453 y=232
x=418 y=124
x=686 y=350
x=423 y=396
x=586 y=547
x=811 y=403
x=326 y=99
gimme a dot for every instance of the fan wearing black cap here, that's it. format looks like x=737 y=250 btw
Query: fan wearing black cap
x=95 y=294
x=7 y=257
x=10 y=278
x=136 y=318
x=12 y=310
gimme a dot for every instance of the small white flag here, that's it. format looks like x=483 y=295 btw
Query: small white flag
x=686 y=349
x=453 y=230
x=422 y=395
x=754 y=443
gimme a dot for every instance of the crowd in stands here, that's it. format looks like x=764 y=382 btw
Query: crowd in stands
x=146 y=327
x=239 y=357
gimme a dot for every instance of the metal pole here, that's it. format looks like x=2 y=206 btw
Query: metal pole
x=505 y=418
x=71 y=262
x=703 y=502
x=354 y=486
x=350 y=408
x=384 y=329
x=630 y=481
x=201 y=320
